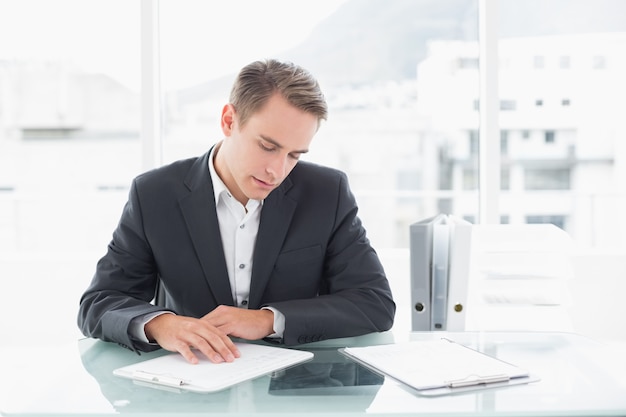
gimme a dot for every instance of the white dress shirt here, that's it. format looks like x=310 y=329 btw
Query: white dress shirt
x=239 y=227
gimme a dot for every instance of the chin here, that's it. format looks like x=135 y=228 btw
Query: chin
x=261 y=196
x=257 y=195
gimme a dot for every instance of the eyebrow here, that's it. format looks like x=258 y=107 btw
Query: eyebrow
x=278 y=145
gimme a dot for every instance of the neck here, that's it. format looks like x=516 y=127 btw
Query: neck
x=223 y=171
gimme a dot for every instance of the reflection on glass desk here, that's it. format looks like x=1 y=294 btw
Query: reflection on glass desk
x=328 y=374
x=578 y=377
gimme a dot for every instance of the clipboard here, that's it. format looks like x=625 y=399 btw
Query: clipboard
x=439 y=366
x=173 y=372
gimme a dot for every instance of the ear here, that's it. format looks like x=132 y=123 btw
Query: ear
x=227 y=120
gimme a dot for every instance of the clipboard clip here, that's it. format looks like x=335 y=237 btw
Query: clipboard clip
x=156 y=379
x=472 y=380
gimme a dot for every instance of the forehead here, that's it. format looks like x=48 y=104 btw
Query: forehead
x=284 y=124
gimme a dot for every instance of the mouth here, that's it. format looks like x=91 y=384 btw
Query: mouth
x=263 y=184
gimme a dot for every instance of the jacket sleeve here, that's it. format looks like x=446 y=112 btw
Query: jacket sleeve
x=124 y=282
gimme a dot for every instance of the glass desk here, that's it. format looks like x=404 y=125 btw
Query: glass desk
x=578 y=377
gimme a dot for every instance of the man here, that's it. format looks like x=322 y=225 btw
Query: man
x=244 y=241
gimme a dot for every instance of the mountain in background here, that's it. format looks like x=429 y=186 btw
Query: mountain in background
x=387 y=29
x=384 y=30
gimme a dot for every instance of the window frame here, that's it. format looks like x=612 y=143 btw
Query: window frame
x=489 y=132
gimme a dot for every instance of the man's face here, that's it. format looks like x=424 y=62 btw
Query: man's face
x=255 y=158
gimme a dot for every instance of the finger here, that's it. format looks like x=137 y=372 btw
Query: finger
x=225 y=331
x=198 y=342
x=215 y=345
x=220 y=328
x=232 y=347
x=203 y=347
x=225 y=348
x=188 y=354
x=223 y=345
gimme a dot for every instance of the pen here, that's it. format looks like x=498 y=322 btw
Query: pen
x=477 y=380
x=169 y=381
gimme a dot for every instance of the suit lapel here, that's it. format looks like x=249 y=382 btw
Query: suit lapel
x=199 y=211
x=276 y=216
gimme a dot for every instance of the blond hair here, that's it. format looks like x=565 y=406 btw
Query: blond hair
x=258 y=81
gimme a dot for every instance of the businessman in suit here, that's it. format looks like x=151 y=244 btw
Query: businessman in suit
x=244 y=241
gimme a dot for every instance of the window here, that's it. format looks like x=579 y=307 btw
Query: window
x=468 y=62
x=580 y=151
x=547 y=179
x=505 y=178
x=558 y=221
x=598 y=62
x=391 y=126
x=69 y=147
x=70 y=117
x=504 y=142
x=508 y=105
x=473 y=142
x=470 y=176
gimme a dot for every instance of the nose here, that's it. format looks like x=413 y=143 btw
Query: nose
x=278 y=167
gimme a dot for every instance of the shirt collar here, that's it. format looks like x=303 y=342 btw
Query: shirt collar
x=218 y=185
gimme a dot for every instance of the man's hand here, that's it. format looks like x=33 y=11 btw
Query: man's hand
x=242 y=323
x=180 y=334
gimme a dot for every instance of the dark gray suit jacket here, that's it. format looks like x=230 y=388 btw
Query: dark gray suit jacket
x=312 y=259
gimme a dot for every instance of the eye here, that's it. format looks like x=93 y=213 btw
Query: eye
x=267 y=148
